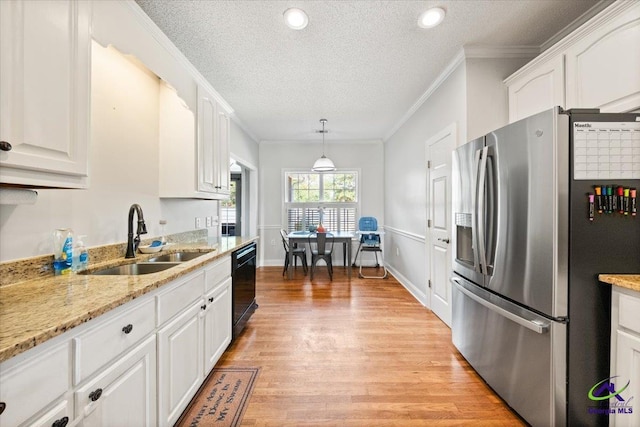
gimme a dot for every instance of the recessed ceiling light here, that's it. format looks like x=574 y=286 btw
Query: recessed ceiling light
x=431 y=17
x=296 y=18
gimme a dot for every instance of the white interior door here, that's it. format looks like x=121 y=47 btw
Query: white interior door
x=439 y=149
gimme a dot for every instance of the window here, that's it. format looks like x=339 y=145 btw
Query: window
x=328 y=197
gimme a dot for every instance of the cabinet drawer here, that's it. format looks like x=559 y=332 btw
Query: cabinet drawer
x=179 y=297
x=217 y=273
x=629 y=309
x=60 y=412
x=98 y=345
x=32 y=385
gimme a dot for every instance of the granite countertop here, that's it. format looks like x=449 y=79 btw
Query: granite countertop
x=628 y=281
x=34 y=311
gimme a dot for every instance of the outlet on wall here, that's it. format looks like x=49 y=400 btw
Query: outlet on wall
x=273 y=242
x=397 y=251
x=209 y=221
x=198 y=222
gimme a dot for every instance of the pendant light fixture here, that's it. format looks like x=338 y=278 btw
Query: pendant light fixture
x=323 y=164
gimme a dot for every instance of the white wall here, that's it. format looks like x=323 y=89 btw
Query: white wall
x=473 y=97
x=123 y=170
x=275 y=157
x=405 y=180
x=487 y=95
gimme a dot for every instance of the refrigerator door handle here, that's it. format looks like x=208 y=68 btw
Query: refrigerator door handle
x=480 y=209
x=538 y=325
x=474 y=213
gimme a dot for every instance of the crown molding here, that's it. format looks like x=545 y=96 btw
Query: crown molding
x=479 y=51
x=595 y=22
x=455 y=62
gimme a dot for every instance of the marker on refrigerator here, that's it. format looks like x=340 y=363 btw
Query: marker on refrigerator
x=633 y=202
x=609 y=198
x=620 y=197
x=591 y=210
x=599 y=197
x=626 y=201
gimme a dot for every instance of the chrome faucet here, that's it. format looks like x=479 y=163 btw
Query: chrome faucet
x=132 y=244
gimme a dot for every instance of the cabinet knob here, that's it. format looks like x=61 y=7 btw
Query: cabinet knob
x=203 y=306
x=95 y=395
x=62 y=422
x=127 y=329
x=2 y=407
x=5 y=146
x=211 y=299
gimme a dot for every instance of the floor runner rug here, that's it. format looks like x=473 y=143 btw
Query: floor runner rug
x=222 y=400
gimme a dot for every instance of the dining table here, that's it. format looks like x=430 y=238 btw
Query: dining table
x=302 y=237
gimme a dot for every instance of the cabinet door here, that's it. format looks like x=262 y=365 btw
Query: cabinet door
x=603 y=68
x=123 y=395
x=217 y=324
x=627 y=369
x=539 y=89
x=207 y=129
x=180 y=364
x=223 y=158
x=44 y=86
x=21 y=388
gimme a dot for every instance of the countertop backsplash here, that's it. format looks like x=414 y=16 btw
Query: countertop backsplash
x=16 y=271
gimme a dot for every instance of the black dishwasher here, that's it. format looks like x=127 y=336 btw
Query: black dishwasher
x=243 y=288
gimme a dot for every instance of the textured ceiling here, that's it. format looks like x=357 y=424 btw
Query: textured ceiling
x=360 y=64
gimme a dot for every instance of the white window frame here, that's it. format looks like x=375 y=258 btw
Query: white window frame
x=286 y=205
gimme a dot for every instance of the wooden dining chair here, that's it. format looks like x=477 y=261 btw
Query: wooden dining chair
x=321 y=245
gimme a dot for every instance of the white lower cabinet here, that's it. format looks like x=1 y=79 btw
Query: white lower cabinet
x=137 y=365
x=180 y=363
x=60 y=415
x=22 y=391
x=217 y=324
x=124 y=394
x=625 y=357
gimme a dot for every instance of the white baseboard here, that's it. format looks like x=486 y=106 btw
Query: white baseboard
x=413 y=289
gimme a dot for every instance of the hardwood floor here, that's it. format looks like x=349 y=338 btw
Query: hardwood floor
x=359 y=353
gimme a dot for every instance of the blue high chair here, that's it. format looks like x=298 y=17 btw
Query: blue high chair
x=370 y=241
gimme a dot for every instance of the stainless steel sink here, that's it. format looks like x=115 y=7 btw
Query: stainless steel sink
x=176 y=257
x=134 y=269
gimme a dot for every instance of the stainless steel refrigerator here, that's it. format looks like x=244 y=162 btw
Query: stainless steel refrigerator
x=529 y=242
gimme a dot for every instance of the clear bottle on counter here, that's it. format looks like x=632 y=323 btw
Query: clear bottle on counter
x=62 y=251
x=80 y=255
x=163 y=230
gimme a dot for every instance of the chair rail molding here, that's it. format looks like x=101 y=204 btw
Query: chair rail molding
x=408 y=234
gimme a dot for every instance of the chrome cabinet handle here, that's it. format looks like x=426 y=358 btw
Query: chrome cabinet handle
x=127 y=329
x=5 y=146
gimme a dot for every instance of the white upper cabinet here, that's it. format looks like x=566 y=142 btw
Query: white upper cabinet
x=213 y=146
x=596 y=66
x=44 y=92
x=193 y=137
x=603 y=68
x=539 y=89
